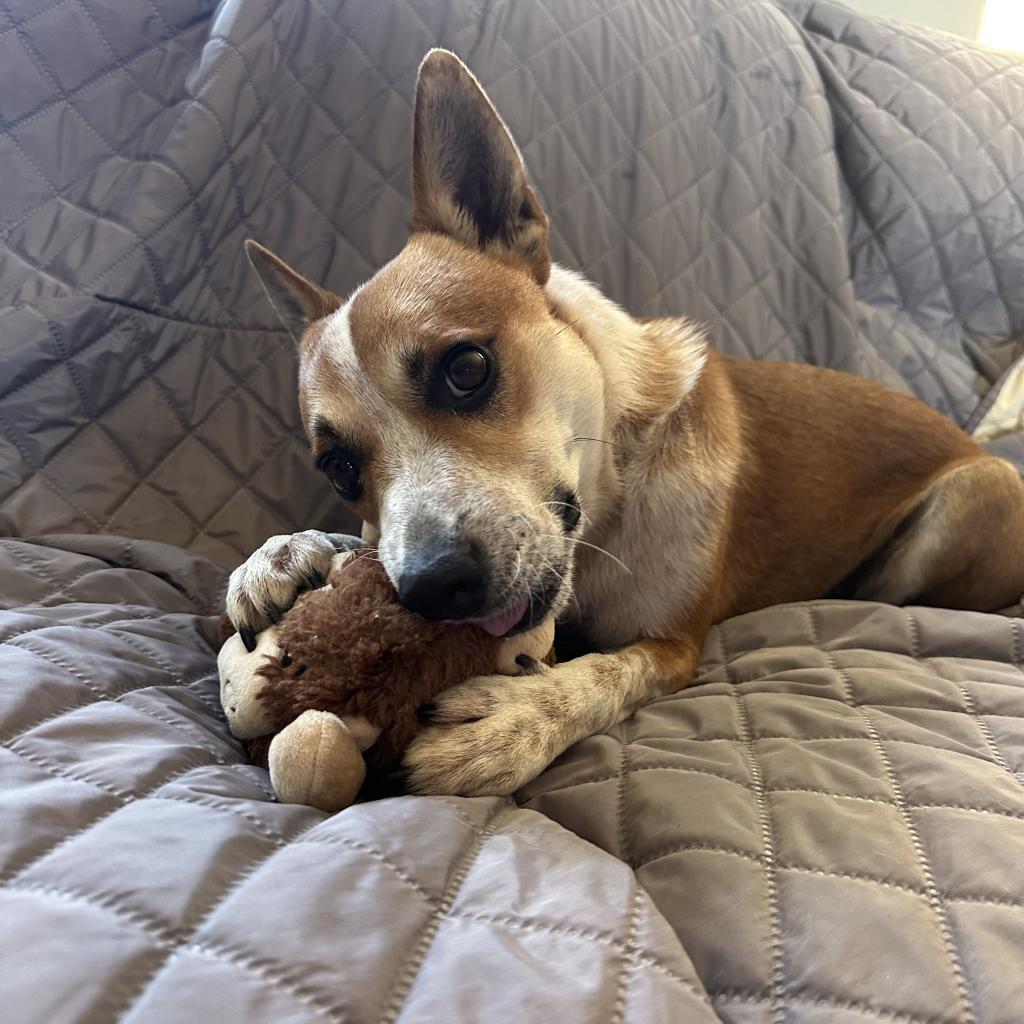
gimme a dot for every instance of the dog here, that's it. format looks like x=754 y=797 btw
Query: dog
x=517 y=445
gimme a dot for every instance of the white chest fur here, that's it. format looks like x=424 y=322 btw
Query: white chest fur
x=666 y=536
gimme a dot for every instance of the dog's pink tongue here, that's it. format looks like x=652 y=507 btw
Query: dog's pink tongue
x=500 y=624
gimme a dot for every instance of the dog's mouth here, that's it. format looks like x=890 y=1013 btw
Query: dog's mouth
x=523 y=614
x=505 y=621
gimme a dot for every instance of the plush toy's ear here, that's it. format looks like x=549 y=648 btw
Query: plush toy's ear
x=468 y=179
x=240 y=685
x=298 y=302
x=225 y=629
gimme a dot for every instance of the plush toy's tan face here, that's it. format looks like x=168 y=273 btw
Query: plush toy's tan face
x=241 y=684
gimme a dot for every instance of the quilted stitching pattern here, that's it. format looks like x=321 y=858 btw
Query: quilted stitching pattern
x=166 y=885
x=833 y=821
x=811 y=185
x=826 y=828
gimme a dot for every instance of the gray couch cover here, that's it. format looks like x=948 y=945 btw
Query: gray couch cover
x=828 y=828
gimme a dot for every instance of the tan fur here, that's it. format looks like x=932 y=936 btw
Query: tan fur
x=712 y=486
x=830 y=462
x=435 y=293
x=979 y=504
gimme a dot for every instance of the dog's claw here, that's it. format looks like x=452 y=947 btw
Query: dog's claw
x=530 y=666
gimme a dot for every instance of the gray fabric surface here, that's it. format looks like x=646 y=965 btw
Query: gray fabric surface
x=828 y=826
x=828 y=829
x=811 y=185
x=148 y=875
x=832 y=819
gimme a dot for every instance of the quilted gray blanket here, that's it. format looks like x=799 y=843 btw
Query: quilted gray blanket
x=827 y=828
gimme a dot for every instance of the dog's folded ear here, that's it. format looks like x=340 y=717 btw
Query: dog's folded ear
x=468 y=179
x=298 y=302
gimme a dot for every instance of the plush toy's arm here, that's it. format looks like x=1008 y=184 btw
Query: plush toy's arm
x=316 y=761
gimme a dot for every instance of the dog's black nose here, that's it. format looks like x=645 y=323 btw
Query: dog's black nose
x=447 y=582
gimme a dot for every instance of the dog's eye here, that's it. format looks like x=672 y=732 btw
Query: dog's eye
x=466 y=370
x=465 y=379
x=343 y=470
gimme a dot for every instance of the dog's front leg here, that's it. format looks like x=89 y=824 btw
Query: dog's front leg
x=494 y=734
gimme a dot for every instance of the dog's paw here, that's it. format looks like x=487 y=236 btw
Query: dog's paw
x=265 y=586
x=489 y=736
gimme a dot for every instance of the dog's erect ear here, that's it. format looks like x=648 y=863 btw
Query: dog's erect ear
x=468 y=179
x=298 y=302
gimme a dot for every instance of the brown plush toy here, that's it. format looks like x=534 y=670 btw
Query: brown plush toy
x=343 y=675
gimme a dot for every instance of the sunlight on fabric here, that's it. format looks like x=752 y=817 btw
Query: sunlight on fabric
x=1002 y=25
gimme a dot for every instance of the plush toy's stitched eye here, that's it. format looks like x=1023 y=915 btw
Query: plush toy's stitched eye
x=465 y=378
x=342 y=468
x=286 y=660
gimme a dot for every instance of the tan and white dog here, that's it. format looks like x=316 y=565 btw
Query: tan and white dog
x=517 y=444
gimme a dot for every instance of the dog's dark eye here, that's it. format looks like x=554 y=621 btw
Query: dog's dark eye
x=465 y=378
x=466 y=370
x=344 y=472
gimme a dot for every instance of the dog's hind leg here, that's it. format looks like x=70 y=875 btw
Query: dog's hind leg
x=960 y=545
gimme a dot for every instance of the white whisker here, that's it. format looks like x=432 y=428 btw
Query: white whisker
x=358 y=556
x=565 y=504
x=614 y=558
x=552 y=569
x=519 y=560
